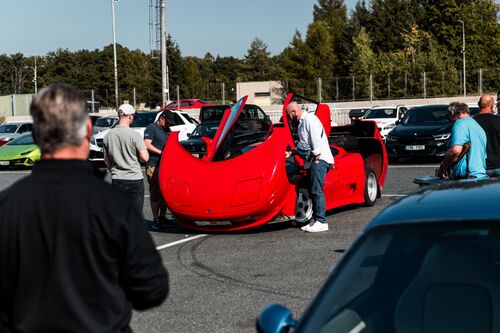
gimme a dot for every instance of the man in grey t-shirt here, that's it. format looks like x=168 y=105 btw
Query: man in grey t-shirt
x=124 y=152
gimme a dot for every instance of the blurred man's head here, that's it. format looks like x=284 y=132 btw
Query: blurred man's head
x=458 y=110
x=486 y=104
x=126 y=114
x=294 y=111
x=165 y=119
x=60 y=118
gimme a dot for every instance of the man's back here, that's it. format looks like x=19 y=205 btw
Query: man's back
x=467 y=130
x=491 y=126
x=122 y=145
x=75 y=255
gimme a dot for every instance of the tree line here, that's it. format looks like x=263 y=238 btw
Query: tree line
x=382 y=38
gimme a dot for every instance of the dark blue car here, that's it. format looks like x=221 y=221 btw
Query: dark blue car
x=428 y=263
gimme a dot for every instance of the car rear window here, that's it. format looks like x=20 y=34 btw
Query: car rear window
x=143 y=119
x=212 y=112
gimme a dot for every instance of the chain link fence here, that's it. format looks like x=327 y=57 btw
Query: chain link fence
x=326 y=89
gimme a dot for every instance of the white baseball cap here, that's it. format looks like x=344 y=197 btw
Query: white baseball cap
x=127 y=109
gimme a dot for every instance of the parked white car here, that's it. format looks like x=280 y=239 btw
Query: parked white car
x=13 y=129
x=104 y=123
x=181 y=123
x=385 y=117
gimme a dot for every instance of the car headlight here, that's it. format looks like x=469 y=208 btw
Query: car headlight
x=391 y=138
x=26 y=153
x=93 y=141
x=390 y=126
x=445 y=136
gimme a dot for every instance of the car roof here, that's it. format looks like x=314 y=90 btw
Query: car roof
x=17 y=122
x=454 y=201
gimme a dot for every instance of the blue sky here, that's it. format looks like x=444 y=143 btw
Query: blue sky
x=224 y=27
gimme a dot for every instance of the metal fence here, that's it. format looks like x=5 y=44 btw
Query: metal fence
x=405 y=85
x=399 y=86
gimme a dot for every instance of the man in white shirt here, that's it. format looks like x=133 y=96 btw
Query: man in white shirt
x=312 y=133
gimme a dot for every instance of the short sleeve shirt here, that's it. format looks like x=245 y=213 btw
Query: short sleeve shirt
x=122 y=145
x=158 y=137
x=468 y=130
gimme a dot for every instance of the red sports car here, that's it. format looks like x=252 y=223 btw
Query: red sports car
x=185 y=104
x=236 y=186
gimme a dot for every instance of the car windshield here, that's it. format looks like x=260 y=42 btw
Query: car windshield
x=143 y=119
x=22 y=140
x=105 y=122
x=8 y=128
x=205 y=129
x=426 y=116
x=230 y=120
x=395 y=273
x=381 y=113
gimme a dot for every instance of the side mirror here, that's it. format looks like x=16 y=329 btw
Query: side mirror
x=275 y=318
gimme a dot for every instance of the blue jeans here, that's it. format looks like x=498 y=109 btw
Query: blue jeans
x=134 y=189
x=317 y=173
x=493 y=172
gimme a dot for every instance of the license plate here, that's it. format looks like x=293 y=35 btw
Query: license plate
x=212 y=223
x=418 y=147
x=4 y=162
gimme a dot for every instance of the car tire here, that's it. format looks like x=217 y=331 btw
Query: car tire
x=303 y=206
x=371 y=187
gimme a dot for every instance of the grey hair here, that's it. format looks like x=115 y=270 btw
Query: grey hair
x=458 y=108
x=59 y=117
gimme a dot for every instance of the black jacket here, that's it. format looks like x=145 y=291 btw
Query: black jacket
x=75 y=255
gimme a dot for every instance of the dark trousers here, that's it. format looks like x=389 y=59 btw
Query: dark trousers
x=317 y=173
x=134 y=188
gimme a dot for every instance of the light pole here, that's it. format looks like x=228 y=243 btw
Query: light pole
x=35 y=75
x=463 y=54
x=114 y=53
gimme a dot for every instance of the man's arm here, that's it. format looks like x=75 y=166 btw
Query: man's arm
x=143 y=155
x=151 y=149
x=145 y=279
x=450 y=158
x=106 y=160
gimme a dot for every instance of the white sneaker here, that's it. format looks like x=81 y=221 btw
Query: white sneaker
x=307 y=225
x=316 y=227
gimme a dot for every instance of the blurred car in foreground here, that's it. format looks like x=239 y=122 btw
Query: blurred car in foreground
x=14 y=129
x=236 y=186
x=386 y=117
x=423 y=132
x=428 y=263
x=20 y=152
x=185 y=104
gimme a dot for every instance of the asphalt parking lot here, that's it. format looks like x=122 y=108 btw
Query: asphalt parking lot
x=219 y=283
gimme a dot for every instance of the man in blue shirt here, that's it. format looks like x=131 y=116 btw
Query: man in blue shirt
x=465 y=130
x=155 y=137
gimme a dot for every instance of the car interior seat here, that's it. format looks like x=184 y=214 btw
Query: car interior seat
x=457 y=289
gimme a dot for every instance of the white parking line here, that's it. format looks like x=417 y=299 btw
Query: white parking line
x=407 y=166
x=13 y=172
x=161 y=247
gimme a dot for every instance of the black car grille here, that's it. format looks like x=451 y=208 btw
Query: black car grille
x=416 y=140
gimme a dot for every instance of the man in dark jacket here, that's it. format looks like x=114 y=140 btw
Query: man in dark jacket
x=75 y=255
x=491 y=126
